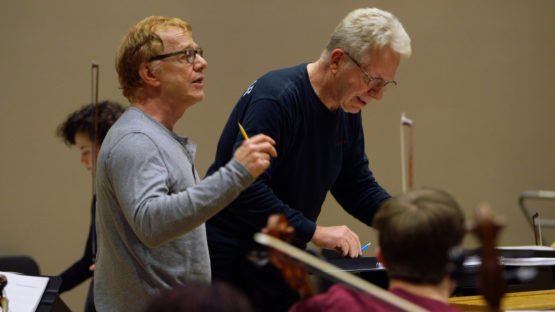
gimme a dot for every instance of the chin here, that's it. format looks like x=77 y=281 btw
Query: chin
x=199 y=97
x=351 y=107
x=351 y=110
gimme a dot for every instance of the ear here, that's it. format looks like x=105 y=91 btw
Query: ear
x=335 y=59
x=148 y=75
x=379 y=256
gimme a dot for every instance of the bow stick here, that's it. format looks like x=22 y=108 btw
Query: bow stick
x=406 y=122
x=336 y=272
x=94 y=101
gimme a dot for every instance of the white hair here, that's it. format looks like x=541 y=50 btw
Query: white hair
x=365 y=29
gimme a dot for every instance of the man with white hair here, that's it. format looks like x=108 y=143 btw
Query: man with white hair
x=313 y=112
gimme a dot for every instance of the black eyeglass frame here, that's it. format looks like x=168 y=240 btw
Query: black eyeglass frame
x=196 y=51
x=385 y=84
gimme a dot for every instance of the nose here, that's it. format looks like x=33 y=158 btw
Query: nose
x=86 y=161
x=200 y=63
x=376 y=93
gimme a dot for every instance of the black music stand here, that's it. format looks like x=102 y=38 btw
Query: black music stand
x=51 y=301
x=367 y=268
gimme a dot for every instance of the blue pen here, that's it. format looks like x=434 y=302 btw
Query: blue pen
x=364 y=247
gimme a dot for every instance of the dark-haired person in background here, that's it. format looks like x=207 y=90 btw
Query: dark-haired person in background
x=424 y=222
x=78 y=130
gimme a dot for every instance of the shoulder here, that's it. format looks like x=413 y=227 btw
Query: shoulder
x=426 y=303
x=132 y=138
x=341 y=298
x=136 y=131
x=278 y=82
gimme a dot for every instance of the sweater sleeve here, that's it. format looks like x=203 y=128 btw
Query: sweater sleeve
x=155 y=213
x=356 y=189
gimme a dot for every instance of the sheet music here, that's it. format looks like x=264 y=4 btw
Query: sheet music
x=24 y=292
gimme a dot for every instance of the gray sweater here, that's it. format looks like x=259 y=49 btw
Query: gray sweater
x=151 y=209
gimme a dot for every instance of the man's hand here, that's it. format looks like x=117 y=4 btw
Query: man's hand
x=340 y=238
x=255 y=153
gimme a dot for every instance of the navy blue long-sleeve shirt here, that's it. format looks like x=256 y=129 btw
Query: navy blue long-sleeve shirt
x=318 y=151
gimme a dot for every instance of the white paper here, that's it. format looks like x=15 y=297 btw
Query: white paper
x=24 y=292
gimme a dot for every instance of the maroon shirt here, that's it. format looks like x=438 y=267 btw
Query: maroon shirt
x=342 y=298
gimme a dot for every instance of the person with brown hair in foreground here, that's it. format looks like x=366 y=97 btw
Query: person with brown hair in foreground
x=416 y=230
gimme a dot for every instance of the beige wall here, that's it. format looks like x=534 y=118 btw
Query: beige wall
x=479 y=87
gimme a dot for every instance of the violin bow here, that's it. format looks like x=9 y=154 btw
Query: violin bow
x=335 y=272
x=94 y=101
x=406 y=122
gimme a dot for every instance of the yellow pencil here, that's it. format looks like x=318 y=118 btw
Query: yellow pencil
x=243 y=131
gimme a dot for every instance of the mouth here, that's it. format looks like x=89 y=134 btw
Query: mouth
x=363 y=103
x=198 y=81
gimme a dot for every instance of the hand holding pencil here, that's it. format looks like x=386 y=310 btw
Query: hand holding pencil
x=340 y=238
x=255 y=152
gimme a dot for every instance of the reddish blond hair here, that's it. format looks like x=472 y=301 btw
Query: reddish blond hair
x=140 y=44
